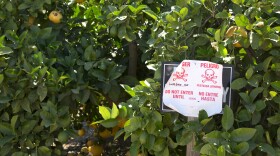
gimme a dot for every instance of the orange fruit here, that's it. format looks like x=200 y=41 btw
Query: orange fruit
x=79 y=1
x=105 y=134
x=115 y=130
x=231 y=31
x=81 y=132
x=121 y=122
x=84 y=150
x=235 y=30
x=95 y=150
x=94 y=126
x=55 y=16
x=89 y=143
x=237 y=45
x=31 y=20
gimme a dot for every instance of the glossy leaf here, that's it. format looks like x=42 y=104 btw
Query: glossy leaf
x=275 y=120
x=228 y=118
x=115 y=111
x=238 y=83
x=105 y=112
x=242 y=134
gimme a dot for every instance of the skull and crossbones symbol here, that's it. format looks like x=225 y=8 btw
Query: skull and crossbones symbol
x=209 y=75
x=180 y=74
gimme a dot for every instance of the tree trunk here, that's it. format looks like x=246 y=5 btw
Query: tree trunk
x=132 y=66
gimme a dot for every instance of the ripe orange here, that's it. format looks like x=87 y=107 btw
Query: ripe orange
x=55 y=17
x=79 y=1
x=121 y=122
x=115 y=130
x=31 y=20
x=81 y=132
x=235 y=30
x=105 y=134
x=95 y=150
x=89 y=143
x=231 y=31
x=237 y=45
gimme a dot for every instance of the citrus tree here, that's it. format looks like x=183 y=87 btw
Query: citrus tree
x=56 y=68
x=63 y=63
x=242 y=33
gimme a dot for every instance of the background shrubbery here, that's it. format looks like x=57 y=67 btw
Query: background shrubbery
x=54 y=77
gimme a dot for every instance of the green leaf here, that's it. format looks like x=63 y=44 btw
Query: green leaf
x=25 y=104
x=170 y=18
x=129 y=90
x=221 y=151
x=122 y=32
x=109 y=123
x=254 y=40
x=208 y=149
x=246 y=98
x=241 y=20
x=242 y=134
x=90 y=54
x=276 y=85
x=266 y=63
x=14 y=121
x=213 y=137
x=159 y=144
x=143 y=137
x=5 y=99
x=228 y=118
x=241 y=148
x=238 y=2
x=6 y=139
x=105 y=112
x=5 y=50
x=28 y=126
x=275 y=120
x=45 y=33
x=222 y=50
x=183 y=12
x=1 y=78
x=249 y=73
x=238 y=83
x=202 y=115
x=184 y=138
x=6 y=128
x=134 y=148
x=44 y=150
x=115 y=111
x=255 y=92
x=151 y=14
x=223 y=14
x=260 y=105
x=218 y=35
x=23 y=6
x=133 y=124
x=42 y=91
x=278 y=136
x=267 y=148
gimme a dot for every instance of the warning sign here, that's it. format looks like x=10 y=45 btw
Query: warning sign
x=193 y=85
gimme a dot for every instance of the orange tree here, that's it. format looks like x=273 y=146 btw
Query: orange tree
x=60 y=69
x=242 y=33
x=56 y=68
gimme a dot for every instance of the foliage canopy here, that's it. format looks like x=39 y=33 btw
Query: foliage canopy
x=53 y=76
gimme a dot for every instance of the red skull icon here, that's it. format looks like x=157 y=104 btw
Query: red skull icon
x=209 y=75
x=180 y=74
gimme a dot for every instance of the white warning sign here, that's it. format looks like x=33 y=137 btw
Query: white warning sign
x=194 y=86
